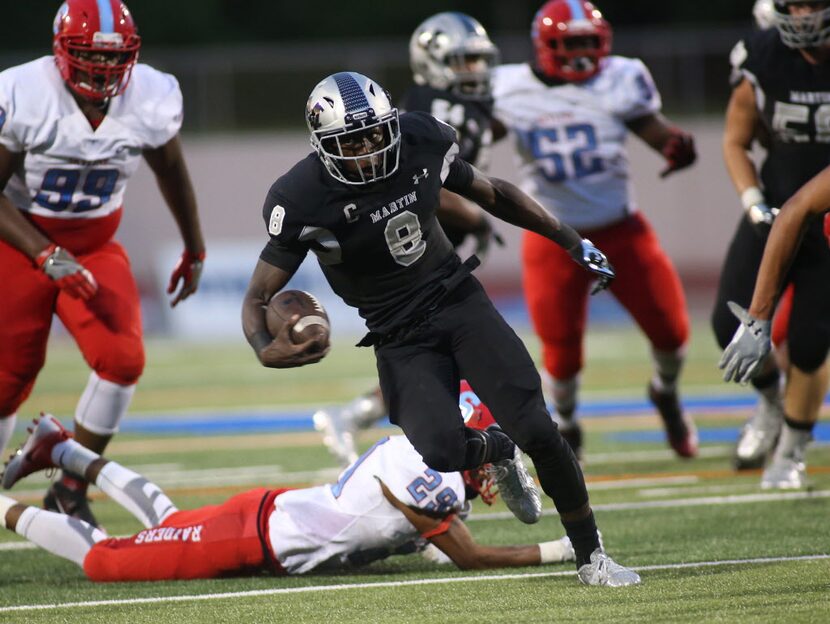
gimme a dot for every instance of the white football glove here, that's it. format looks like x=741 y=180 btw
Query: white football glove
x=750 y=345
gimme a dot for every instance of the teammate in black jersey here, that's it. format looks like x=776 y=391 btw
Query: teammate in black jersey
x=365 y=203
x=782 y=97
x=451 y=57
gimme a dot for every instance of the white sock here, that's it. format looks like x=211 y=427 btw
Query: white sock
x=72 y=457
x=6 y=503
x=140 y=497
x=6 y=430
x=61 y=535
x=667 y=366
x=103 y=405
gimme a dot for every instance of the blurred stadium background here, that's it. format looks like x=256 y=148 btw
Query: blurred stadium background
x=246 y=68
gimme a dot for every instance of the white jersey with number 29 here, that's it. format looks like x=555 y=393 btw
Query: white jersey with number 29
x=70 y=169
x=350 y=522
x=570 y=137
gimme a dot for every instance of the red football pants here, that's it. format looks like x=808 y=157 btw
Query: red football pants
x=208 y=542
x=647 y=285
x=107 y=328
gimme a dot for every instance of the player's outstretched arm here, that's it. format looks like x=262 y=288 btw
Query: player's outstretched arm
x=676 y=145
x=454 y=539
x=57 y=263
x=811 y=201
x=274 y=351
x=170 y=169
x=462 y=214
x=507 y=202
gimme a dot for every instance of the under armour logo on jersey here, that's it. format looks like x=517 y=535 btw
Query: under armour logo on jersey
x=417 y=178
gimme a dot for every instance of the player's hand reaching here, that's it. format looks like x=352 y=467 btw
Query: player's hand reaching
x=188 y=270
x=750 y=345
x=592 y=259
x=678 y=150
x=65 y=270
x=282 y=352
x=485 y=235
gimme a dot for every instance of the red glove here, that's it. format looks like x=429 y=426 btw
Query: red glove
x=188 y=270
x=679 y=151
x=65 y=270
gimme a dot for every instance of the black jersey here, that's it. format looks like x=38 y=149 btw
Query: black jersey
x=793 y=98
x=471 y=119
x=379 y=245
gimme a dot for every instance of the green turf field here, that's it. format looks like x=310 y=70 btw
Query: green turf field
x=710 y=545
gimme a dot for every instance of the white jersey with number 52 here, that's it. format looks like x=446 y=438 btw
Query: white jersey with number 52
x=70 y=169
x=571 y=137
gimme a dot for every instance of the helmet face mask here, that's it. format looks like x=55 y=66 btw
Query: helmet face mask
x=803 y=28
x=96 y=47
x=354 y=128
x=452 y=52
x=570 y=38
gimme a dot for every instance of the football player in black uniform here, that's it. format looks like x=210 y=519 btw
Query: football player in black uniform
x=782 y=97
x=365 y=203
x=451 y=57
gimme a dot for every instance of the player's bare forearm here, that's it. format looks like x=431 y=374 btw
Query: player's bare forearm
x=811 y=201
x=273 y=351
x=170 y=169
x=507 y=202
x=458 y=212
x=652 y=129
x=18 y=232
x=458 y=543
x=739 y=132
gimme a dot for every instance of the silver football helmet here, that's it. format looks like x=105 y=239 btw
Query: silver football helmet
x=452 y=51
x=354 y=128
x=805 y=30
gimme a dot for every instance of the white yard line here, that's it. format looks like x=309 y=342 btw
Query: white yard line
x=435 y=581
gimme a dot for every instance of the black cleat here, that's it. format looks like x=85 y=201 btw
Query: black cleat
x=73 y=502
x=571 y=431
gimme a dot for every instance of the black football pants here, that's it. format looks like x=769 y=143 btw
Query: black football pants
x=808 y=333
x=465 y=337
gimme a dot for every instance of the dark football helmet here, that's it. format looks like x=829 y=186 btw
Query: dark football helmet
x=354 y=128
x=803 y=29
x=570 y=37
x=96 y=46
x=452 y=51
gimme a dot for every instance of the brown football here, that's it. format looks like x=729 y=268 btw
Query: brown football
x=313 y=323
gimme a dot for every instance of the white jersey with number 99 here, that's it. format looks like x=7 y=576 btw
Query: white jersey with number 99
x=70 y=169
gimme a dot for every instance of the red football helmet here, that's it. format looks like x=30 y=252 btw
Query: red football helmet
x=477 y=416
x=570 y=38
x=96 y=47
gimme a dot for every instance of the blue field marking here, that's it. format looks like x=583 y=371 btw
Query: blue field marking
x=712 y=435
x=224 y=422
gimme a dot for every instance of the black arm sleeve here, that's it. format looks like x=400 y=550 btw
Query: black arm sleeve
x=460 y=176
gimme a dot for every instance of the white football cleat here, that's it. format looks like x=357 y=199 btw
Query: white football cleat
x=784 y=473
x=338 y=434
x=517 y=488
x=604 y=571
x=759 y=436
